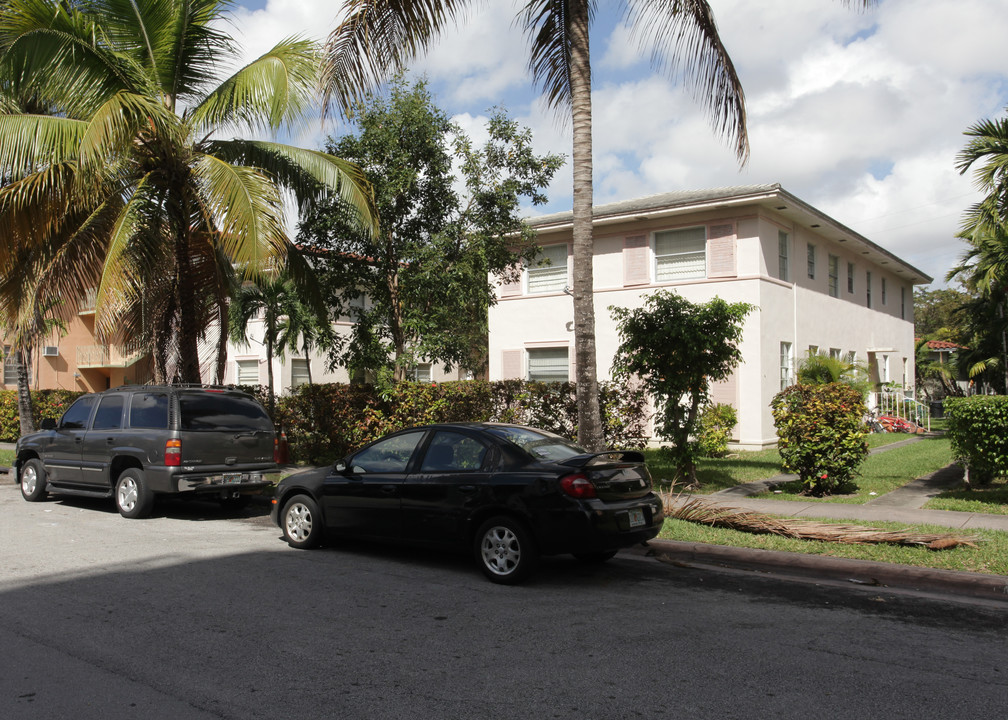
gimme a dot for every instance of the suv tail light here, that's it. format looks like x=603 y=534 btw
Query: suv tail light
x=276 y=450
x=173 y=453
x=577 y=486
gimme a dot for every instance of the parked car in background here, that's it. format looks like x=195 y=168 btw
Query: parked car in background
x=510 y=494
x=133 y=443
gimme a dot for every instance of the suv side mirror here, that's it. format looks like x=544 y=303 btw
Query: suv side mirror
x=47 y=424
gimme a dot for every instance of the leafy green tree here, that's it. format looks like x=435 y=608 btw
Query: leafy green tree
x=420 y=288
x=378 y=36
x=115 y=178
x=938 y=314
x=677 y=349
x=987 y=149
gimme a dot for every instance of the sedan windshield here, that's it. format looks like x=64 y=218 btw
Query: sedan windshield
x=544 y=446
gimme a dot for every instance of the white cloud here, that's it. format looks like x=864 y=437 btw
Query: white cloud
x=858 y=113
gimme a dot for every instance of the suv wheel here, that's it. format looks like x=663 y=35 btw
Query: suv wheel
x=33 y=481
x=132 y=496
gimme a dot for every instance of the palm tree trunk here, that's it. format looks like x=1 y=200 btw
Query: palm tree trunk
x=222 y=341
x=270 y=395
x=589 y=420
x=26 y=414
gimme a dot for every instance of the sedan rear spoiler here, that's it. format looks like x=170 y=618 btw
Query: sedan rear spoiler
x=619 y=456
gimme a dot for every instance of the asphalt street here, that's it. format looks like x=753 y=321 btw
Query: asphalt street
x=197 y=613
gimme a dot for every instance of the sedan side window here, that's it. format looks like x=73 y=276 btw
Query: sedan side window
x=76 y=416
x=390 y=455
x=453 y=452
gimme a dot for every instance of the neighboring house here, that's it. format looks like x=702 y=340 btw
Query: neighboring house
x=944 y=353
x=816 y=286
x=246 y=364
x=76 y=360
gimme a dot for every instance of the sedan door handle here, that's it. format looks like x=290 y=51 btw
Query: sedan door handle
x=467 y=488
x=388 y=489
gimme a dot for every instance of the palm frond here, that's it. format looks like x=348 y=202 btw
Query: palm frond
x=274 y=89
x=547 y=24
x=310 y=174
x=377 y=38
x=31 y=141
x=244 y=207
x=685 y=44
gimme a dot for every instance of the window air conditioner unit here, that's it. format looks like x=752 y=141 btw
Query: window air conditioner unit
x=50 y=351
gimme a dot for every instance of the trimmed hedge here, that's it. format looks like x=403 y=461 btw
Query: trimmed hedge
x=325 y=422
x=978 y=429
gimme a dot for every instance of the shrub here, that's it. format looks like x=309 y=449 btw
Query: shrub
x=978 y=429
x=821 y=433
x=325 y=422
x=46 y=404
x=714 y=430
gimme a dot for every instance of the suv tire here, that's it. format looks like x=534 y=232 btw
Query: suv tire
x=33 y=481
x=133 y=498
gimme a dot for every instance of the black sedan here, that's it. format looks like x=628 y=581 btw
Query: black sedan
x=510 y=493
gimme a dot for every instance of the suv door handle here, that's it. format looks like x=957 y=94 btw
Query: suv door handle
x=467 y=488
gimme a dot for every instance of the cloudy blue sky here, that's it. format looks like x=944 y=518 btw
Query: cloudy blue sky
x=860 y=114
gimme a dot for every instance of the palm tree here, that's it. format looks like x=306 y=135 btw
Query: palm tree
x=115 y=179
x=381 y=36
x=988 y=145
x=273 y=299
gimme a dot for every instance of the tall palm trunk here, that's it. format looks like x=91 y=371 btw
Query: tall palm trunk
x=188 y=343
x=589 y=420
x=26 y=414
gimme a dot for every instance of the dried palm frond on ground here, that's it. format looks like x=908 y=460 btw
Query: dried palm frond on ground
x=700 y=510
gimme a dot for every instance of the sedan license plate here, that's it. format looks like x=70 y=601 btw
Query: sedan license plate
x=636 y=518
x=232 y=477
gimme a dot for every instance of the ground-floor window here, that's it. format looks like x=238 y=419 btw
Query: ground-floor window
x=299 y=372
x=248 y=372
x=548 y=365
x=786 y=366
x=421 y=373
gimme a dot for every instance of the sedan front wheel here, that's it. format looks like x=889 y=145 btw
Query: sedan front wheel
x=301 y=522
x=505 y=550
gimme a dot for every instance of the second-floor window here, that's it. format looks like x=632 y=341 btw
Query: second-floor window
x=850 y=278
x=811 y=261
x=834 y=276
x=868 y=288
x=549 y=274
x=783 y=256
x=680 y=254
x=884 y=299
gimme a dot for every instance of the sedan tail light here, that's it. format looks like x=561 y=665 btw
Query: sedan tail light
x=577 y=486
x=173 y=453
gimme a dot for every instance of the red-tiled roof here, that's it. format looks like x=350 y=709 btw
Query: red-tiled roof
x=944 y=345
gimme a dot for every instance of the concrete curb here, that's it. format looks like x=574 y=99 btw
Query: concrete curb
x=859 y=572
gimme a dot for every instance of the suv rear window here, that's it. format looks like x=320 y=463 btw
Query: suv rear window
x=220 y=411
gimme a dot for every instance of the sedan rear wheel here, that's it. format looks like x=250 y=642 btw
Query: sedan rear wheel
x=505 y=550
x=301 y=522
x=33 y=481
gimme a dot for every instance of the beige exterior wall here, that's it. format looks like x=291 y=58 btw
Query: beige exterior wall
x=798 y=310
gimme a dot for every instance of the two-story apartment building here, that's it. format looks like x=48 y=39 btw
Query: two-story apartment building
x=816 y=285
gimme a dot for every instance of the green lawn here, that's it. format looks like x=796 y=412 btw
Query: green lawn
x=7 y=458
x=882 y=473
x=990 y=556
x=990 y=498
x=716 y=474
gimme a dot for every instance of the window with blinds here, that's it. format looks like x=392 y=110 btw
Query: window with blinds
x=548 y=365
x=550 y=272
x=248 y=372
x=680 y=254
x=299 y=372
